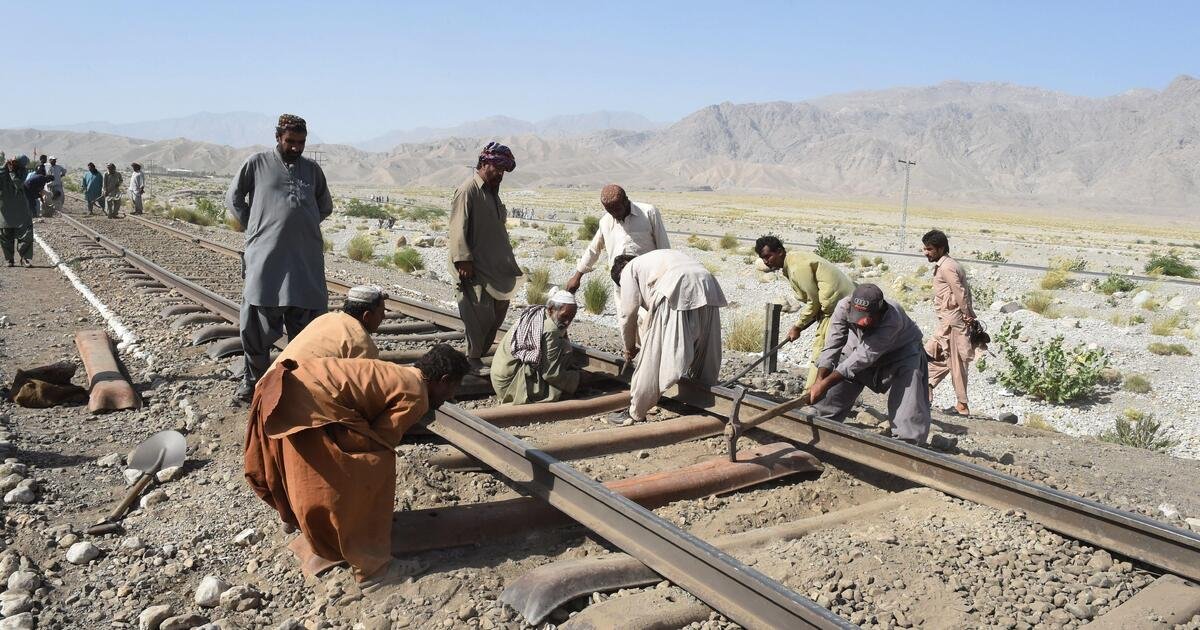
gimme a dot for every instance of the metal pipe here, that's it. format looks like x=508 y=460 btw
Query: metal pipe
x=516 y=415
x=109 y=391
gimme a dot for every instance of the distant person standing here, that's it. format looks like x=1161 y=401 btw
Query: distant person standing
x=93 y=187
x=480 y=253
x=112 y=191
x=137 y=186
x=41 y=167
x=54 y=200
x=280 y=198
x=627 y=227
x=16 y=220
x=950 y=350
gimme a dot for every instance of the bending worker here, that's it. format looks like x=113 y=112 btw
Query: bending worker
x=682 y=335
x=319 y=449
x=535 y=360
x=818 y=283
x=873 y=343
x=627 y=227
x=344 y=334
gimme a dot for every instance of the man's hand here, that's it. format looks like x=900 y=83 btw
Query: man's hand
x=968 y=318
x=573 y=283
x=794 y=333
x=817 y=391
x=630 y=354
x=466 y=270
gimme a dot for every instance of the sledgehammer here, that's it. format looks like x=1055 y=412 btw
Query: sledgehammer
x=735 y=427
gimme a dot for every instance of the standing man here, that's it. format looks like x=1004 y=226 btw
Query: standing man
x=54 y=201
x=137 y=186
x=112 y=191
x=16 y=220
x=535 y=361
x=480 y=254
x=626 y=228
x=280 y=198
x=817 y=283
x=93 y=187
x=950 y=350
x=873 y=343
x=682 y=335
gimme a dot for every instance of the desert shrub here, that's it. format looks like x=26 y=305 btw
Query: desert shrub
x=1054 y=279
x=213 y=211
x=1038 y=302
x=746 y=333
x=361 y=228
x=729 y=241
x=981 y=364
x=920 y=270
x=1168 y=325
x=1111 y=377
x=1137 y=384
x=358 y=208
x=436 y=226
x=424 y=214
x=829 y=248
x=1036 y=421
x=699 y=243
x=1137 y=429
x=1136 y=318
x=537 y=285
x=360 y=248
x=1150 y=305
x=72 y=185
x=233 y=224
x=712 y=268
x=1068 y=264
x=1170 y=264
x=1169 y=349
x=561 y=253
x=1114 y=283
x=992 y=256
x=863 y=261
x=558 y=235
x=982 y=295
x=326 y=244
x=595 y=295
x=878 y=260
x=189 y=215
x=1049 y=371
x=590 y=226
x=408 y=259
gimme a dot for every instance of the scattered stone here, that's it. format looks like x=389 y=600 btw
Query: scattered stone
x=23 y=621
x=1193 y=523
x=1141 y=298
x=1166 y=509
x=208 y=594
x=240 y=598
x=183 y=622
x=1011 y=307
x=467 y=612
x=1101 y=561
x=154 y=498
x=131 y=476
x=943 y=443
x=247 y=537
x=82 y=553
x=1081 y=611
x=24 y=581
x=10 y=482
x=112 y=459
x=20 y=494
x=151 y=618
x=168 y=474
x=133 y=543
x=15 y=603
x=1007 y=416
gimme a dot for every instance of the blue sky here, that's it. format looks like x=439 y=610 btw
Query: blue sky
x=357 y=69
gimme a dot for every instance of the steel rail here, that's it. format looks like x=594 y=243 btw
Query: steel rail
x=1140 y=538
x=720 y=580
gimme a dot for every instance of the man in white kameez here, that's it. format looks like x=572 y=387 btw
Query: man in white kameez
x=682 y=334
x=627 y=227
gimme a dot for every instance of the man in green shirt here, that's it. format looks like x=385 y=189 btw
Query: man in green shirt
x=16 y=220
x=534 y=360
x=818 y=283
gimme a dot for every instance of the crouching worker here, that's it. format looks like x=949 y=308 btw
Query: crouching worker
x=319 y=446
x=873 y=343
x=344 y=334
x=535 y=360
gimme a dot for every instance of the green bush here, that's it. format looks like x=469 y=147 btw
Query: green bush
x=558 y=235
x=746 y=333
x=1137 y=384
x=1169 y=349
x=537 y=285
x=1170 y=264
x=992 y=256
x=212 y=210
x=595 y=295
x=360 y=248
x=1114 y=283
x=424 y=214
x=189 y=215
x=1049 y=371
x=408 y=259
x=358 y=208
x=729 y=241
x=590 y=226
x=1068 y=264
x=982 y=295
x=1139 y=430
x=829 y=248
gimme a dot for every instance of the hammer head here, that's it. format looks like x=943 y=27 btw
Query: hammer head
x=733 y=428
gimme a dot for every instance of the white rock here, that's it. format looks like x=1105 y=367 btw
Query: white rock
x=15 y=603
x=20 y=494
x=247 y=537
x=10 y=482
x=208 y=594
x=153 y=616
x=1176 y=303
x=82 y=553
x=133 y=543
x=1193 y=523
x=1168 y=510
x=131 y=476
x=27 y=581
x=154 y=498
x=23 y=621
x=112 y=459
x=1141 y=298
x=168 y=474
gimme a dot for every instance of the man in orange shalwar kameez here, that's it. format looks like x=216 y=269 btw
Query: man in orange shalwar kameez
x=319 y=449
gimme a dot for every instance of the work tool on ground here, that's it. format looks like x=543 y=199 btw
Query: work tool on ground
x=735 y=426
x=165 y=449
x=757 y=362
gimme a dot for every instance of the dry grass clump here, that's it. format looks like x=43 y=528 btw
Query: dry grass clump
x=729 y=241
x=1110 y=376
x=595 y=295
x=561 y=253
x=1039 y=302
x=326 y=245
x=590 y=226
x=1036 y=421
x=701 y=244
x=1137 y=384
x=1138 y=429
x=746 y=334
x=408 y=260
x=1168 y=325
x=1169 y=349
x=537 y=285
x=1055 y=279
x=360 y=248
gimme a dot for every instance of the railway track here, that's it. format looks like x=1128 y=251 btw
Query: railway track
x=739 y=592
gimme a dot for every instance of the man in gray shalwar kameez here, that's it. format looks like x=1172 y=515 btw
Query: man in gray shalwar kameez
x=280 y=198
x=480 y=254
x=873 y=343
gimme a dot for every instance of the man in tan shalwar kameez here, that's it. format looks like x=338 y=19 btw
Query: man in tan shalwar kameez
x=319 y=449
x=950 y=350
x=344 y=334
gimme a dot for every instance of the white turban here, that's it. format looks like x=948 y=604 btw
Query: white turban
x=367 y=294
x=561 y=296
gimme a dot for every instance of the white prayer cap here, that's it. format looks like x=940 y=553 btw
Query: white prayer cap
x=561 y=296
x=51 y=158
x=367 y=294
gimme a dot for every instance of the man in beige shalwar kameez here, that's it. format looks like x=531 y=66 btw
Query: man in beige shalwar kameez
x=950 y=350
x=535 y=360
x=344 y=334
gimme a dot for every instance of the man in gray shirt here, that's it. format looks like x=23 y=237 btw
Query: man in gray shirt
x=873 y=343
x=279 y=198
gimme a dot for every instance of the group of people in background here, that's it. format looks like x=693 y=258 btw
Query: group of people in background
x=103 y=190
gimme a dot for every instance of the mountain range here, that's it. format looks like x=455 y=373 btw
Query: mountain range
x=980 y=143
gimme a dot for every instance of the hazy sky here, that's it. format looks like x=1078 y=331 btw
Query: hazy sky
x=357 y=69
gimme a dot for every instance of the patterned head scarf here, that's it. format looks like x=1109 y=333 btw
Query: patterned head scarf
x=611 y=194
x=291 y=122
x=498 y=154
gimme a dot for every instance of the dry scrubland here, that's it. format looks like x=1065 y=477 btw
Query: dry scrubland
x=1147 y=331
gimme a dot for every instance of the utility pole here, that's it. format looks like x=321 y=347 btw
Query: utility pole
x=904 y=204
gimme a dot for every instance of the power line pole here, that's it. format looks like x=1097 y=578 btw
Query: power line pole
x=904 y=203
